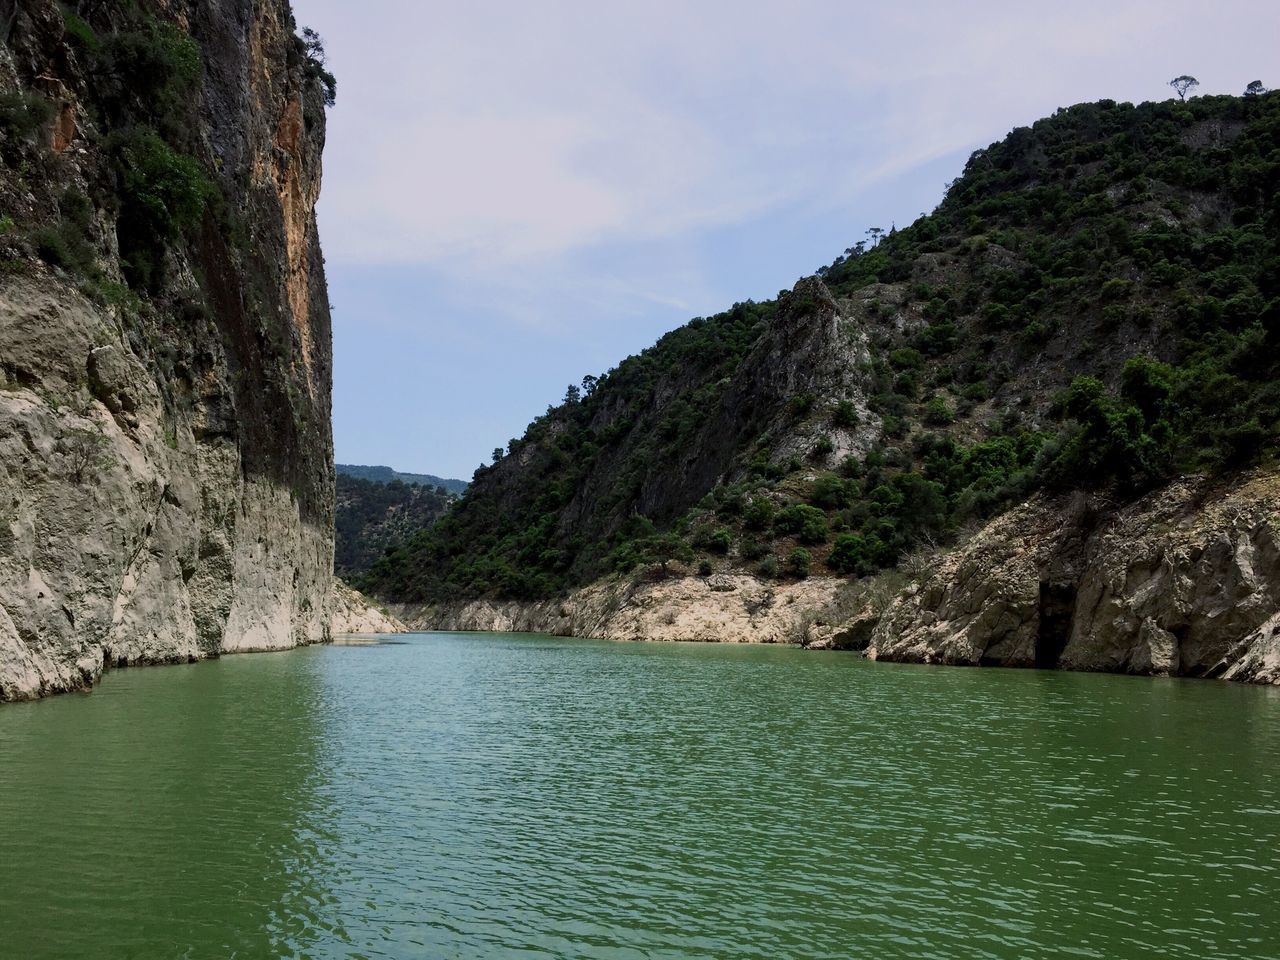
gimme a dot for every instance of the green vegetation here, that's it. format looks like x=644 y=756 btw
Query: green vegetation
x=313 y=50
x=163 y=194
x=22 y=114
x=1096 y=304
x=144 y=77
x=372 y=518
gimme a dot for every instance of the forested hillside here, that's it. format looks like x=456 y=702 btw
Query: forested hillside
x=1094 y=305
x=372 y=516
x=387 y=474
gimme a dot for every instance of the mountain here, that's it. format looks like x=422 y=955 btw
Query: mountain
x=165 y=352
x=1083 y=335
x=387 y=474
x=372 y=517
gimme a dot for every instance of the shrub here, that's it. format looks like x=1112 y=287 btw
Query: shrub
x=806 y=522
x=79 y=31
x=832 y=493
x=769 y=568
x=22 y=114
x=939 y=338
x=720 y=541
x=801 y=404
x=822 y=449
x=63 y=246
x=759 y=513
x=148 y=74
x=162 y=194
x=845 y=414
x=906 y=358
x=855 y=553
x=938 y=412
x=798 y=563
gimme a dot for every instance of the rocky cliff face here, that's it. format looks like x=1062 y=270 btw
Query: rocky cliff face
x=352 y=613
x=1184 y=582
x=166 y=468
x=718 y=609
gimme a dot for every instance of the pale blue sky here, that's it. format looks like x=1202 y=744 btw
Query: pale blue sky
x=517 y=194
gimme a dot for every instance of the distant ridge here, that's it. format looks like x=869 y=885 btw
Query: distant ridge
x=381 y=474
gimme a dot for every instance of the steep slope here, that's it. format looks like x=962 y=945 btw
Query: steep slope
x=371 y=517
x=1093 y=307
x=166 y=481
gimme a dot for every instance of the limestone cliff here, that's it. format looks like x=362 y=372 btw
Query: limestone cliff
x=352 y=613
x=166 y=467
x=718 y=609
x=1184 y=582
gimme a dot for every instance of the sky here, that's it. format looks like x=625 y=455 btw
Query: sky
x=520 y=193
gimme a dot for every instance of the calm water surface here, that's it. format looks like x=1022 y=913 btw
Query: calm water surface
x=512 y=796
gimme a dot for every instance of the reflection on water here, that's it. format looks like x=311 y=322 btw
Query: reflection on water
x=500 y=796
x=171 y=809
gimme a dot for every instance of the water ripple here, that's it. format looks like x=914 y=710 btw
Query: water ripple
x=476 y=797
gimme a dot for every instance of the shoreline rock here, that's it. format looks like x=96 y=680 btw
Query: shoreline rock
x=1183 y=582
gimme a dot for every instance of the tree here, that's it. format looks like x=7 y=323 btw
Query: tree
x=572 y=394
x=1182 y=85
x=313 y=50
x=665 y=548
x=589 y=384
x=1254 y=89
x=497 y=454
x=83 y=450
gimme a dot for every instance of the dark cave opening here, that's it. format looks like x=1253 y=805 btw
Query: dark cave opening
x=1057 y=604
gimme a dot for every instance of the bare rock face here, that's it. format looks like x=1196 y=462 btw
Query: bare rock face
x=166 y=477
x=1184 y=582
x=728 y=608
x=353 y=613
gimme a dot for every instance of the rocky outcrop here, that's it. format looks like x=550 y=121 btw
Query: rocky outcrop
x=718 y=609
x=353 y=613
x=1184 y=582
x=166 y=477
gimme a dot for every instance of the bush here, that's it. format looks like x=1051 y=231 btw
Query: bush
x=938 y=412
x=801 y=404
x=22 y=114
x=148 y=74
x=806 y=522
x=845 y=414
x=822 y=449
x=832 y=493
x=759 y=513
x=855 y=553
x=769 y=568
x=79 y=31
x=798 y=563
x=906 y=358
x=63 y=246
x=939 y=338
x=162 y=194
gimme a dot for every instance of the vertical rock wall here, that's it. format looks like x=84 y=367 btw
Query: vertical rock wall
x=166 y=465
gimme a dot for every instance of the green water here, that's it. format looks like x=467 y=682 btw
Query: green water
x=508 y=796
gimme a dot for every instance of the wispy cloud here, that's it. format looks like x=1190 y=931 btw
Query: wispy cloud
x=583 y=168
